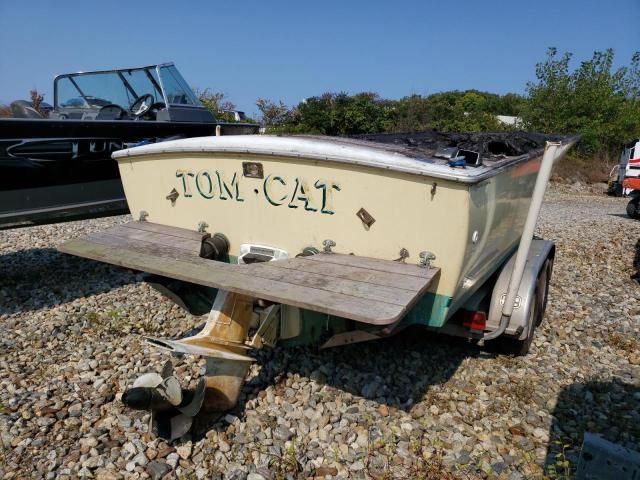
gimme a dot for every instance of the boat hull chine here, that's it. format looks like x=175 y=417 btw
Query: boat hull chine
x=48 y=204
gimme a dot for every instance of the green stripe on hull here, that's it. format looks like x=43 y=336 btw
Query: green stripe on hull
x=430 y=311
x=317 y=327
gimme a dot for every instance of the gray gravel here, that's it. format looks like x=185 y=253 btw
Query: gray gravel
x=413 y=406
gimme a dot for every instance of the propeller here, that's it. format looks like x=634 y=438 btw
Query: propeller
x=172 y=408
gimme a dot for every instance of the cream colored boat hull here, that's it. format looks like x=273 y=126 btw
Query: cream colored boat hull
x=470 y=227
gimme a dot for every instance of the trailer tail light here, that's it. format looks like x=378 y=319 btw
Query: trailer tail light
x=475 y=321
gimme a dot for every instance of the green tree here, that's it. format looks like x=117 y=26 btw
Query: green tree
x=342 y=114
x=217 y=103
x=462 y=111
x=36 y=101
x=508 y=104
x=273 y=114
x=595 y=101
x=316 y=114
x=410 y=114
x=365 y=112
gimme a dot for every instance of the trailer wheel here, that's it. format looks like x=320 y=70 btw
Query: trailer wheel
x=542 y=290
x=615 y=189
x=633 y=208
x=515 y=346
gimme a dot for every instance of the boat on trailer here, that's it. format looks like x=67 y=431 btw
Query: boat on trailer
x=60 y=167
x=303 y=239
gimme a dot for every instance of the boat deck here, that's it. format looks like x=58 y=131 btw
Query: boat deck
x=492 y=147
x=415 y=153
x=368 y=290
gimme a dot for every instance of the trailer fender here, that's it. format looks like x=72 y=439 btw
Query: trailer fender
x=540 y=251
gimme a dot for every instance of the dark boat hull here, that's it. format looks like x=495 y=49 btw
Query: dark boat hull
x=54 y=170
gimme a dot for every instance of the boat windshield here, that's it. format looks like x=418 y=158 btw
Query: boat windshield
x=93 y=90
x=176 y=88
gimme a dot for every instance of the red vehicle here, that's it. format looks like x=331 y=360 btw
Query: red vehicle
x=627 y=178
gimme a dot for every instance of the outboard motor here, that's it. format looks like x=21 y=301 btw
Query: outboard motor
x=222 y=342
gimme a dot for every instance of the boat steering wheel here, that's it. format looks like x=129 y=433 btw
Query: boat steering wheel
x=141 y=105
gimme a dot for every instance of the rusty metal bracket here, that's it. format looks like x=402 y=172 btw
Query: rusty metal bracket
x=404 y=254
x=328 y=245
x=173 y=196
x=425 y=259
x=366 y=217
x=252 y=170
x=267 y=333
x=345 y=338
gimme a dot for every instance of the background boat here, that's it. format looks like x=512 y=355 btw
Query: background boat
x=60 y=167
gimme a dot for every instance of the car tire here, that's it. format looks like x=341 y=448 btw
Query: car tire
x=633 y=208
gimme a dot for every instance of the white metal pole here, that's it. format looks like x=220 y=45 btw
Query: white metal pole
x=552 y=151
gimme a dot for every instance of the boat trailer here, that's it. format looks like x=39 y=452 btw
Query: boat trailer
x=259 y=302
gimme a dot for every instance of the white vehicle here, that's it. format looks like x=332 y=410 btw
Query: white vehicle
x=624 y=179
x=237 y=115
x=628 y=167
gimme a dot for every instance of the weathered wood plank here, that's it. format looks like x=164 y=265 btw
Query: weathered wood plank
x=142 y=246
x=168 y=230
x=227 y=278
x=362 y=289
x=350 y=272
x=268 y=271
x=189 y=245
x=388 y=266
x=375 y=293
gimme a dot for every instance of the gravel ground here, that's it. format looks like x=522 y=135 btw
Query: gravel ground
x=414 y=406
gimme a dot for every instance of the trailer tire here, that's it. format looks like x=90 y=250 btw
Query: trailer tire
x=633 y=208
x=514 y=346
x=615 y=189
x=542 y=290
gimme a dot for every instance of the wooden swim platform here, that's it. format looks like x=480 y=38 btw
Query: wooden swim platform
x=369 y=290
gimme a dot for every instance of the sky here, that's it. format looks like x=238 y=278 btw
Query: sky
x=290 y=50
